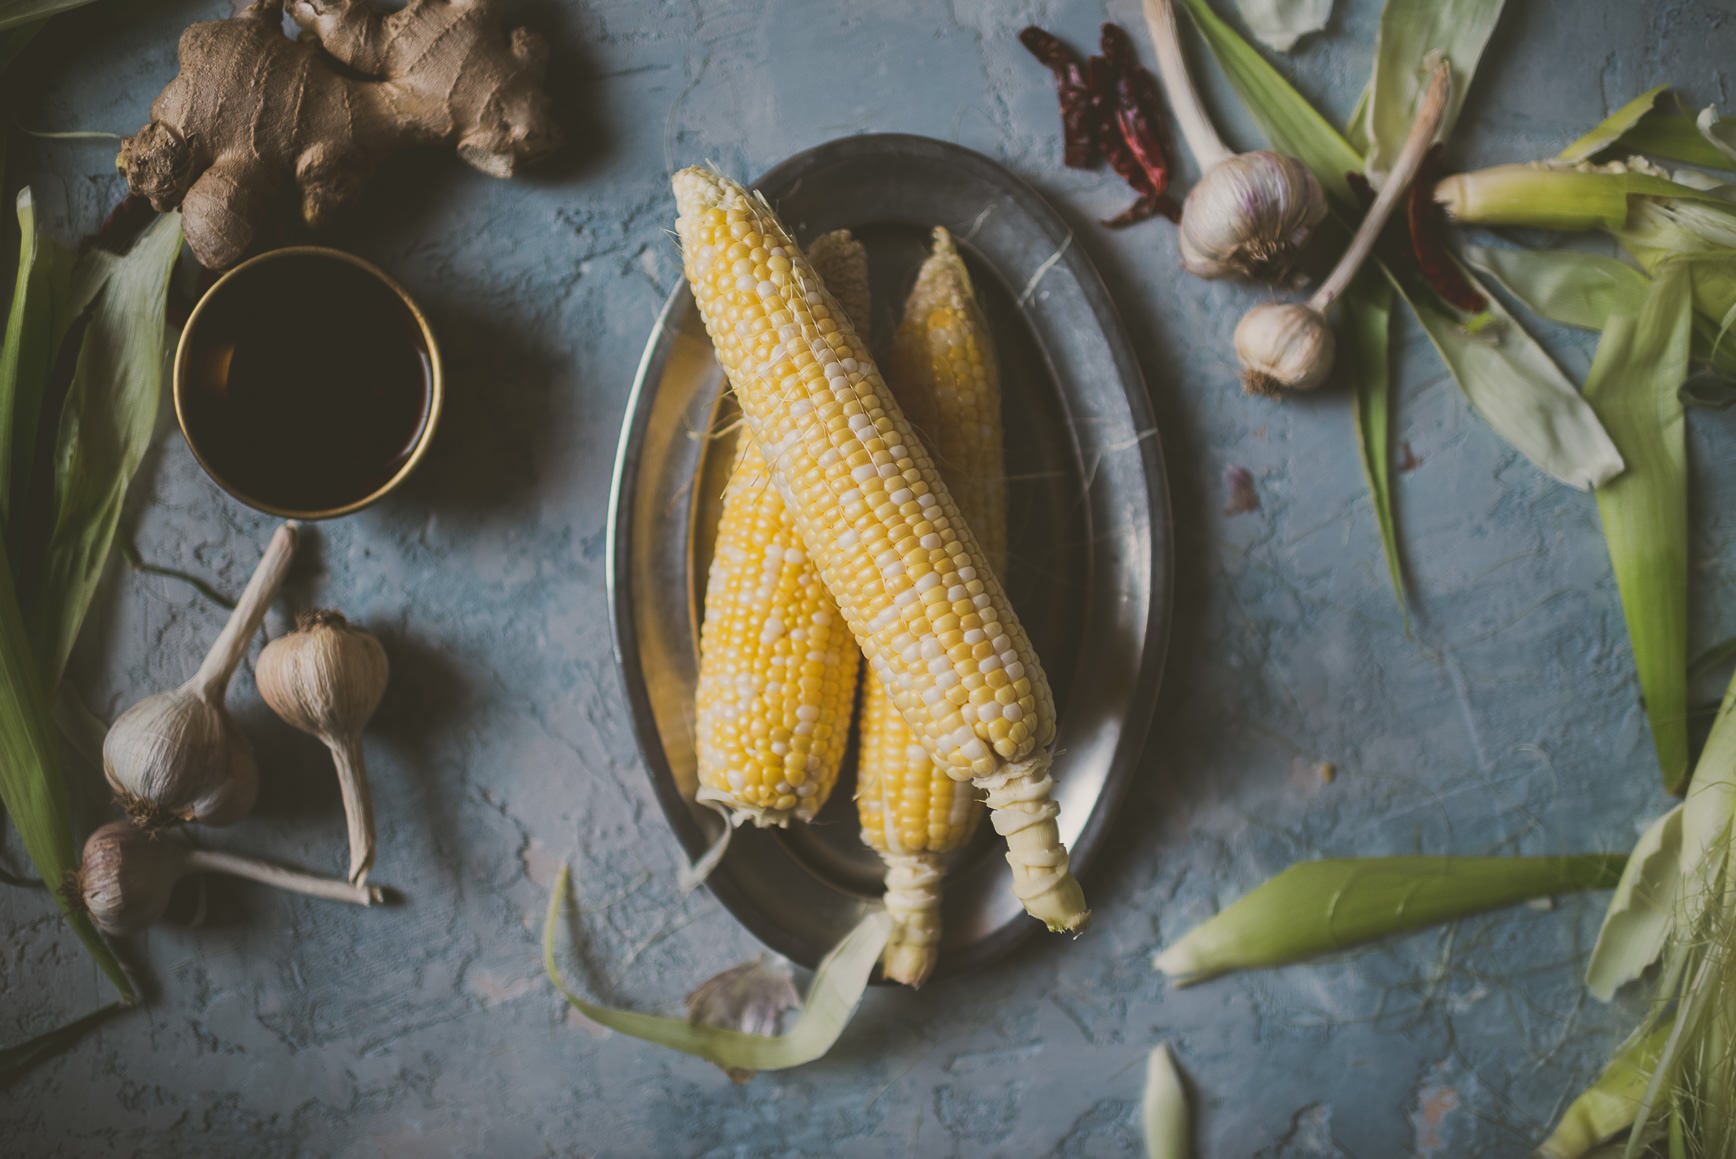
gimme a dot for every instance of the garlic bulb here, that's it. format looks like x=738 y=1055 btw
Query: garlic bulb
x=1284 y=346
x=1249 y=216
x=178 y=756
x=1250 y=213
x=326 y=678
x=1289 y=346
x=128 y=875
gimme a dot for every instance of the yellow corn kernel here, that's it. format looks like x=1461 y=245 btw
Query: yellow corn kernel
x=909 y=577
x=777 y=666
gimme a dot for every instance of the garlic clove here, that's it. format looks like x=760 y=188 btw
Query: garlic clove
x=1284 y=346
x=1249 y=217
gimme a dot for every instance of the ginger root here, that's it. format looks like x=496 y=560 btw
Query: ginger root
x=254 y=114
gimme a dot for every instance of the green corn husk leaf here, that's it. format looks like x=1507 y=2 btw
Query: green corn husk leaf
x=18 y=13
x=1368 y=324
x=1640 y=364
x=1163 y=1111
x=1320 y=907
x=1584 y=289
x=1708 y=815
x=1547 y=421
x=15 y=1060
x=105 y=428
x=1566 y=286
x=1701 y=234
x=1279 y=24
x=1613 y=127
x=1654 y=123
x=1607 y=1107
x=1718 y=132
x=837 y=987
x=43 y=306
x=31 y=785
x=1642 y=912
x=1502 y=370
x=1410 y=30
x=1545 y=196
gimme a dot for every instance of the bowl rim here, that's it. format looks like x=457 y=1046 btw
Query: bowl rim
x=436 y=379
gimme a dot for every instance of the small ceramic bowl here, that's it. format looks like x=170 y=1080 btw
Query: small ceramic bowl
x=343 y=392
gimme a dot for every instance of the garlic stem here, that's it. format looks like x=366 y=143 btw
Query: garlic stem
x=1202 y=138
x=1404 y=171
x=215 y=861
x=358 y=803
x=212 y=679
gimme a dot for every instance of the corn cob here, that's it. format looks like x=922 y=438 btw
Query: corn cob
x=942 y=371
x=777 y=666
x=909 y=577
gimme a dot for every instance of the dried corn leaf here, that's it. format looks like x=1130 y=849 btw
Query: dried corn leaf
x=1319 y=907
x=832 y=996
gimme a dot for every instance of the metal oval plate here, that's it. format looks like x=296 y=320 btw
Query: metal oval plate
x=1088 y=522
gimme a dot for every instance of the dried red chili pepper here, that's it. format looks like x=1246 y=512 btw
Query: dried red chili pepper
x=1078 y=128
x=1428 y=235
x=1104 y=81
x=1148 y=206
x=1135 y=98
x=1419 y=246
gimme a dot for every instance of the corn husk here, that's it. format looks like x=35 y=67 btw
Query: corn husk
x=1279 y=24
x=1639 y=367
x=1163 y=1111
x=1320 y=907
x=1368 y=326
x=1688 y=1057
x=1607 y=1107
x=1409 y=31
x=832 y=997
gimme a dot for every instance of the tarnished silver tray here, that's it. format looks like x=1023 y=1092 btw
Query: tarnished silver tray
x=1088 y=523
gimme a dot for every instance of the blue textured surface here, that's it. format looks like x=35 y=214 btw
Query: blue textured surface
x=1509 y=721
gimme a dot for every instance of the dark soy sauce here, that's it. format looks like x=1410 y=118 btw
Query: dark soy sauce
x=307 y=383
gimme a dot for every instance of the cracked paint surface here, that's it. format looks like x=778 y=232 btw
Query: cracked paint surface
x=1508 y=722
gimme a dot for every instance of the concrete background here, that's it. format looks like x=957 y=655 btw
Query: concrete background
x=1508 y=722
